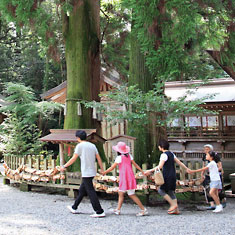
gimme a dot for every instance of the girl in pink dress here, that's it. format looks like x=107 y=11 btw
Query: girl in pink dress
x=127 y=182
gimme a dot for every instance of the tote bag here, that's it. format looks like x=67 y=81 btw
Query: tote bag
x=158 y=177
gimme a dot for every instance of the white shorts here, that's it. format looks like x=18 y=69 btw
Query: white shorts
x=129 y=192
x=216 y=184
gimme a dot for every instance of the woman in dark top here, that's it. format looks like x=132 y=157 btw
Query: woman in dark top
x=167 y=164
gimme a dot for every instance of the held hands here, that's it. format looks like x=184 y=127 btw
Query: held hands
x=147 y=173
x=62 y=168
x=189 y=171
x=102 y=172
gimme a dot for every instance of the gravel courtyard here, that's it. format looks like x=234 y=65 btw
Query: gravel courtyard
x=24 y=213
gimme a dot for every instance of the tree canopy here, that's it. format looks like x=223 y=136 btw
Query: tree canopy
x=174 y=35
x=146 y=42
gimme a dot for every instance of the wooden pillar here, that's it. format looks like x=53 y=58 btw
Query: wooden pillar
x=184 y=149
x=221 y=124
x=222 y=148
x=61 y=149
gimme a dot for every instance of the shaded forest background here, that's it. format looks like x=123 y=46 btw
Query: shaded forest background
x=146 y=42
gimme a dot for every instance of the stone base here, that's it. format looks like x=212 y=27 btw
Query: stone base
x=232 y=178
x=72 y=193
x=6 y=181
x=25 y=187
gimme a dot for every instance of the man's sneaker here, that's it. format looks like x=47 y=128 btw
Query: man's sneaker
x=210 y=208
x=218 y=209
x=98 y=215
x=72 y=210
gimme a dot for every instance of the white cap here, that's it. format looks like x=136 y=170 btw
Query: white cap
x=209 y=146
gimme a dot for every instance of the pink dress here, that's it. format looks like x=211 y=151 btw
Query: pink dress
x=126 y=175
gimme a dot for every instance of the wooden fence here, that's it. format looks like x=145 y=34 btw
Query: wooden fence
x=32 y=161
x=36 y=170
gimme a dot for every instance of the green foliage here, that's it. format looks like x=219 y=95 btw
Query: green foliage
x=23 y=59
x=173 y=35
x=23 y=104
x=138 y=105
x=115 y=29
x=19 y=132
x=146 y=113
x=41 y=16
x=19 y=138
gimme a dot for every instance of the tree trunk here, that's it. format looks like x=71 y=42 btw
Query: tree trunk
x=81 y=30
x=81 y=33
x=145 y=145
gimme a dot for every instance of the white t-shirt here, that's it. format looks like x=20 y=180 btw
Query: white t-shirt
x=119 y=159
x=87 y=153
x=213 y=171
x=164 y=157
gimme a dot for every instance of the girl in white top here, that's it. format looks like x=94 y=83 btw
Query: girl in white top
x=215 y=183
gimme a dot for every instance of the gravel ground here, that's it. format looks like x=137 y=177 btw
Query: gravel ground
x=33 y=213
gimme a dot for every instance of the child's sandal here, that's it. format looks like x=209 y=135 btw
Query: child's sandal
x=116 y=212
x=142 y=212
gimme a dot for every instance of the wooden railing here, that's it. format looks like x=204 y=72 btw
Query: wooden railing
x=34 y=165
x=32 y=161
x=199 y=133
x=196 y=155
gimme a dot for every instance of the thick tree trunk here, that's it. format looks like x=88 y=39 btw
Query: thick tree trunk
x=81 y=30
x=81 y=33
x=147 y=136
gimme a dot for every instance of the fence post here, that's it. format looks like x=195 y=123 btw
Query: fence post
x=30 y=159
x=37 y=162
x=11 y=162
x=144 y=168
x=190 y=167
x=45 y=166
x=197 y=165
x=114 y=172
x=182 y=173
x=53 y=163
x=104 y=166
x=62 y=161
x=24 y=160
x=134 y=169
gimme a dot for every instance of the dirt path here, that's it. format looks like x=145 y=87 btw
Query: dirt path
x=24 y=213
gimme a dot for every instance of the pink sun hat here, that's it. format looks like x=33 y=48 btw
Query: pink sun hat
x=121 y=148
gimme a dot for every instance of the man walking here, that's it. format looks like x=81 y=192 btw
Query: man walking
x=88 y=153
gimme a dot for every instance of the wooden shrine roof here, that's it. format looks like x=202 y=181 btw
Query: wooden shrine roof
x=59 y=136
x=122 y=136
x=58 y=93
